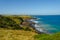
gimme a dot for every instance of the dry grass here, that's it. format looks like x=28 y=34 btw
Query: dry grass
x=16 y=35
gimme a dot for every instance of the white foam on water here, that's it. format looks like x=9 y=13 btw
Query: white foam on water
x=37 y=26
x=41 y=27
x=32 y=20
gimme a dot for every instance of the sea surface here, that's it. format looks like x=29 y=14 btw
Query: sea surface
x=50 y=23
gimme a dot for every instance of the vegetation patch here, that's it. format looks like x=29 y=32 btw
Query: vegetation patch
x=47 y=37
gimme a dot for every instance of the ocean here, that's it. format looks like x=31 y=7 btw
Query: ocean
x=50 y=23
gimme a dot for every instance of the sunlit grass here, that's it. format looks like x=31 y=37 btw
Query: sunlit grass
x=16 y=35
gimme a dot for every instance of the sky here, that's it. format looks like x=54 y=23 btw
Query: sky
x=30 y=7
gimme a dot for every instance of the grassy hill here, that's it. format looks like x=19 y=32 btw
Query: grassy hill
x=12 y=22
x=10 y=29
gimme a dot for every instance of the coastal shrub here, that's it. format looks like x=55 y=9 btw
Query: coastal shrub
x=6 y=22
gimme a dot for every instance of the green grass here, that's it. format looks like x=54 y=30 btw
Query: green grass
x=47 y=37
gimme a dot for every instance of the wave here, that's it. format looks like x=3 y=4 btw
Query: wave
x=38 y=26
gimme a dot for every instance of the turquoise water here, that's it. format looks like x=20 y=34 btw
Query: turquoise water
x=49 y=22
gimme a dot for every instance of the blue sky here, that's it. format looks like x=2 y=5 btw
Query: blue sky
x=30 y=7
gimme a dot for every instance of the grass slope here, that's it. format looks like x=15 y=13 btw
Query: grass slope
x=16 y=35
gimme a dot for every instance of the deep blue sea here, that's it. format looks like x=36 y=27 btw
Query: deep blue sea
x=49 y=22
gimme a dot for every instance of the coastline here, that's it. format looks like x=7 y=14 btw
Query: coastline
x=37 y=27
